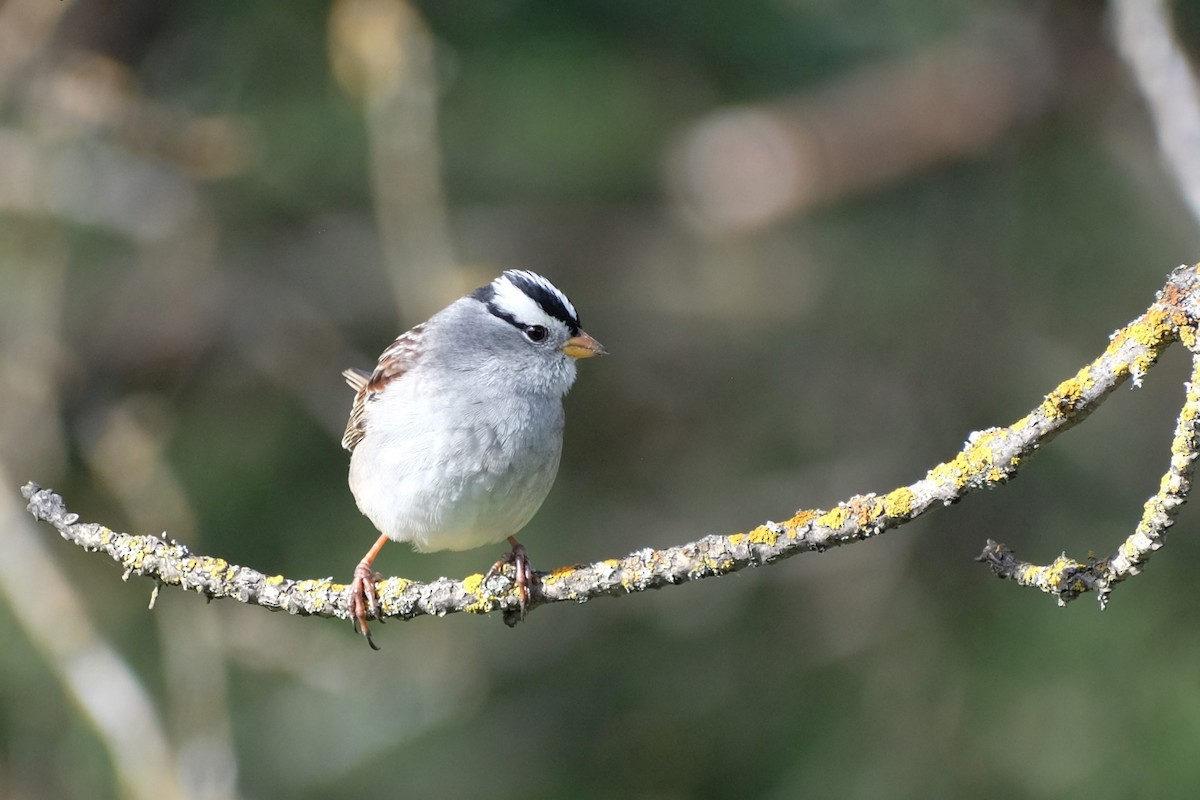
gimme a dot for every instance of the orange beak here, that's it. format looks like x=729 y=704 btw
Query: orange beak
x=583 y=346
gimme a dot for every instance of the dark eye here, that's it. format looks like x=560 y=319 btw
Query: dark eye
x=535 y=333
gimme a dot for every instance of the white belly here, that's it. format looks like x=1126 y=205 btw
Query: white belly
x=470 y=483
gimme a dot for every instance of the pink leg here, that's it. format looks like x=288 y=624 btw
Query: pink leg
x=521 y=566
x=361 y=595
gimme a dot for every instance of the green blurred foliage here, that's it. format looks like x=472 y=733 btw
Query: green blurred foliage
x=844 y=350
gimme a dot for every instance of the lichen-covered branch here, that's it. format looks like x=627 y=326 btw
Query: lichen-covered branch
x=1067 y=578
x=988 y=458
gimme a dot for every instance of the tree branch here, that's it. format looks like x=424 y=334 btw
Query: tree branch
x=988 y=458
x=1067 y=578
x=1168 y=86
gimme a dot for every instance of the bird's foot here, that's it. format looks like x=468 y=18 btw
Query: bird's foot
x=521 y=566
x=363 y=600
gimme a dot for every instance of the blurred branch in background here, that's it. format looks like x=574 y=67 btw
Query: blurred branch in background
x=82 y=146
x=25 y=27
x=107 y=690
x=55 y=616
x=87 y=156
x=382 y=54
x=743 y=168
x=989 y=459
x=124 y=448
x=201 y=205
x=1168 y=85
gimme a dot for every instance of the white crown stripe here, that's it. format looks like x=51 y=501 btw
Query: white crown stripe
x=533 y=277
x=513 y=302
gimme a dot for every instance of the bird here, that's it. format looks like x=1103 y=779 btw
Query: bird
x=455 y=436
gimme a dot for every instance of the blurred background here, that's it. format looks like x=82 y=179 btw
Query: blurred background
x=824 y=241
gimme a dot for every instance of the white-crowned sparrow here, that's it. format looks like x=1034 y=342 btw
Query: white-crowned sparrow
x=455 y=437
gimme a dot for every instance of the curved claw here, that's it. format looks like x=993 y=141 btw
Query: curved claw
x=523 y=569
x=363 y=600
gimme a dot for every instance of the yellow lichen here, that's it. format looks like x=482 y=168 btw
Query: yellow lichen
x=1129 y=551
x=136 y=558
x=1028 y=574
x=951 y=472
x=1156 y=327
x=1054 y=576
x=899 y=502
x=485 y=601
x=566 y=572
x=392 y=588
x=1067 y=396
x=866 y=510
x=764 y=535
x=977 y=461
x=311 y=585
x=1142 y=364
x=800 y=520
x=834 y=519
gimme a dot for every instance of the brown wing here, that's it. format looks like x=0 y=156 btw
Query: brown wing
x=396 y=360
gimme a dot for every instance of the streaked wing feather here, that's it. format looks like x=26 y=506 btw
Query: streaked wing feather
x=396 y=360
